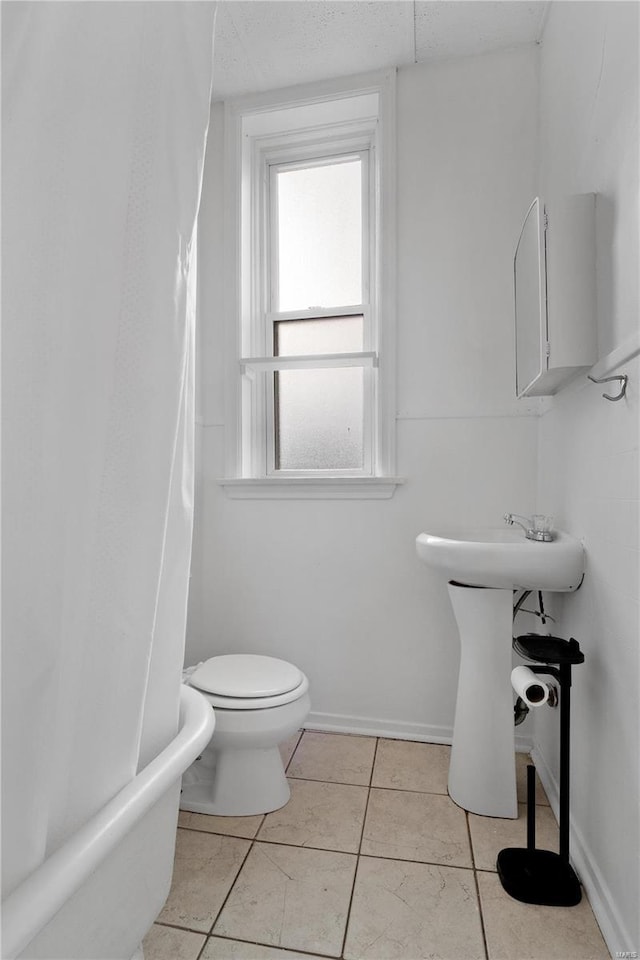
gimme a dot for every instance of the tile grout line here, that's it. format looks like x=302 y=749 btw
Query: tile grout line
x=341 y=733
x=235 y=880
x=203 y=947
x=349 y=853
x=293 y=752
x=215 y=833
x=295 y=951
x=344 y=783
x=177 y=926
x=482 y=926
x=357 y=867
x=477 y=886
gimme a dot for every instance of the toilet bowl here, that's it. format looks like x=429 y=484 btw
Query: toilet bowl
x=259 y=702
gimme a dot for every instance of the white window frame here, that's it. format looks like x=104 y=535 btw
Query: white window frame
x=263 y=133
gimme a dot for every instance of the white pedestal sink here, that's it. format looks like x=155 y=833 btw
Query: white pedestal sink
x=483 y=568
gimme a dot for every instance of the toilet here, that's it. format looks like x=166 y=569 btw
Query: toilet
x=259 y=702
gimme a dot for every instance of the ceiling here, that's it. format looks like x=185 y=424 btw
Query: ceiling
x=266 y=44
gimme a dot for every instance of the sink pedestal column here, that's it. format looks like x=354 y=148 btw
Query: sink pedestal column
x=482 y=774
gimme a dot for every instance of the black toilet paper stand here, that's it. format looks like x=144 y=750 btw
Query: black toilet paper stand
x=541 y=876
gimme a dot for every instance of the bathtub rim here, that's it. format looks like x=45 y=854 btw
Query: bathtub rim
x=28 y=909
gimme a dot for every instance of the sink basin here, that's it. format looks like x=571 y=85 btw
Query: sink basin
x=503 y=557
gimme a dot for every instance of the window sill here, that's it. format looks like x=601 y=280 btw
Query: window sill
x=311 y=488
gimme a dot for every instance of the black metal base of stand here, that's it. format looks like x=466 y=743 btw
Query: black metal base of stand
x=538 y=876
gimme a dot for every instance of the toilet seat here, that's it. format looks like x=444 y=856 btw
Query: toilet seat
x=248 y=682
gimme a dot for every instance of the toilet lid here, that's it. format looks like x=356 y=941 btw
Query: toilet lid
x=246 y=675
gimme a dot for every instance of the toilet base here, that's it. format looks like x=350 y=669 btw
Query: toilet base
x=240 y=783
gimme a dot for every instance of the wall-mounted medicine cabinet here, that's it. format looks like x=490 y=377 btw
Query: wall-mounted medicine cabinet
x=555 y=294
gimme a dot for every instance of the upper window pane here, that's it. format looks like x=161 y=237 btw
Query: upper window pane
x=319 y=235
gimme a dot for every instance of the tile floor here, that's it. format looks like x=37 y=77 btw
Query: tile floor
x=369 y=859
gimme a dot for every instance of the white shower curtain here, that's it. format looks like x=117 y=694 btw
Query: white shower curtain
x=105 y=115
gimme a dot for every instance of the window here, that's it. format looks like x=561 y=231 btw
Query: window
x=310 y=302
x=318 y=240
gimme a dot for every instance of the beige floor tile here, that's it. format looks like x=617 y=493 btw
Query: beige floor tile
x=522 y=931
x=292 y=898
x=404 y=765
x=230 y=826
x=338 y=758
x=165 y=943
x=205 y=867
x=288 y=747
x=219 y=948
x=325 y=815
x=411 y=910
x=416 y=826
x=522 y=759
x=490 y=834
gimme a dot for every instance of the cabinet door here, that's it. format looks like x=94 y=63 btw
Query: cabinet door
x=555 y=294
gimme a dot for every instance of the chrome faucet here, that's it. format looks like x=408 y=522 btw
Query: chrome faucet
x=536 y=528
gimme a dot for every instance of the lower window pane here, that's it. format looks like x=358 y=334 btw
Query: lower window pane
x=319 y=417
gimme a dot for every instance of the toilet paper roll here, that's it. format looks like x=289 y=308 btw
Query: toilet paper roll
x=529 y=686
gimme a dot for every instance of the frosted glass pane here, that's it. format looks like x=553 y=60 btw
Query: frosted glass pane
x=308 y=337
x=320 y=236
x=319 y=419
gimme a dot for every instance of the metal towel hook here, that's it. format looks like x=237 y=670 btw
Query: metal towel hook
x=623 y=380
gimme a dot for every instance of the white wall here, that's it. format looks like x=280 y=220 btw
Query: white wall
x=589 y=452
x=335 y=586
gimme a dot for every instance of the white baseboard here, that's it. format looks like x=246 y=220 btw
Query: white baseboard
x=390 y=729
x=612 y=925
x=377 y=727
